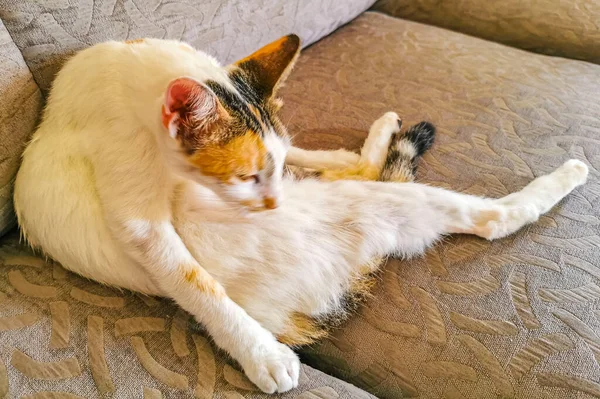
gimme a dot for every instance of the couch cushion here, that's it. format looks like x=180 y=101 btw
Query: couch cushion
x=48 y=31
x=516 y=317
x=566 y=28
x=62 y=333
x=20 y=103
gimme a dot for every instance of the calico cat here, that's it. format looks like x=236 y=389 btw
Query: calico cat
x=158 y=170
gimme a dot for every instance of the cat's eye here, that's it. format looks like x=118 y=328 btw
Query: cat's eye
x=254 y=178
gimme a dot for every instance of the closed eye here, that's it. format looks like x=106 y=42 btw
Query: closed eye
x=254 y=178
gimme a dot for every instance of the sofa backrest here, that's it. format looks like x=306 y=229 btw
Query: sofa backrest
x=555 y=27
x=46 y=33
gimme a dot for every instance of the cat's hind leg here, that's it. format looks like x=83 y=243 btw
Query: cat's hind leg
x=373 y=153
x=342 y=164
x=497 y=218
x=387 y=154
x=404 y=219
x=321 y=159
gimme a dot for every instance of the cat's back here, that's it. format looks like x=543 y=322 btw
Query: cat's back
x=112 y=80
x=106 y=94
x=99 y=116
x=135 y=64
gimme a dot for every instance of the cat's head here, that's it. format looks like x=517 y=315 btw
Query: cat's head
x=228 y=134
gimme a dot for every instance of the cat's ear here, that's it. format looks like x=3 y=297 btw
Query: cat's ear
x=268 y=67
x=189 y=102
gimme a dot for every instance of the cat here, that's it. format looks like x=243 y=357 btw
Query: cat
x=158 y=170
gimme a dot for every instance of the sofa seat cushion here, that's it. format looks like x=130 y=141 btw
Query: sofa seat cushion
x=514 y=318
x=63 y=336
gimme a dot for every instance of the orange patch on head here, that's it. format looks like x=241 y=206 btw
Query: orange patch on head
x=134 y=41
x=243 y=155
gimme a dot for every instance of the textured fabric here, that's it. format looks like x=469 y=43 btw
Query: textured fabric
x=20 y=103
x=568 y=28
x=512 y=318
x=62 y=333
x=517 y=317
x=48 y=31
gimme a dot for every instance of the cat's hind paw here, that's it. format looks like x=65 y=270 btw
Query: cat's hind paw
x=376 y=145
x=574 y=172
x=518 y=209
x=387 y=124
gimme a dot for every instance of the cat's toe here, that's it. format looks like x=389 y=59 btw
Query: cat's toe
x=285 y=373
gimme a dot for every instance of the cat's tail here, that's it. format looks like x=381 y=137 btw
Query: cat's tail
x=405 y=150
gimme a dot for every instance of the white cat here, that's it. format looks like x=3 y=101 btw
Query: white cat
x=151 y=167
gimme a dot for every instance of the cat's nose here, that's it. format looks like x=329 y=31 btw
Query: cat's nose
x=270 y=202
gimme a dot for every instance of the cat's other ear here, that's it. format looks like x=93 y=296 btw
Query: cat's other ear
x=189 y=107
x=268 y=67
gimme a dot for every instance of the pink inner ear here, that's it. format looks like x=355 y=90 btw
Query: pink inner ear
x=190 y=100
x=184 y=93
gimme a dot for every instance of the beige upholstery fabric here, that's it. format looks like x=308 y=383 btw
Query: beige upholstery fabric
x=48 y=31
x=20 y=103
x=567 y=28
x=514 y=318
x=62 y=333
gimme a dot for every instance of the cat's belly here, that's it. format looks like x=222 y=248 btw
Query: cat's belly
x=272 y=297
x=60 y=213
x=273 y=268
x=285 y=291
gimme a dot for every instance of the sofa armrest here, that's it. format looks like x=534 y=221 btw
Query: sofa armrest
x=567 y=28
x=20 y=105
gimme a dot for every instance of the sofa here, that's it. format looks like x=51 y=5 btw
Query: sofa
x=513 y=89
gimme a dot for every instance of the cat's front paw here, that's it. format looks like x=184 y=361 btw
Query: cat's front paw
x=272 y=368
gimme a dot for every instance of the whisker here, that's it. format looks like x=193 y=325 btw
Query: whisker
x=289 y=119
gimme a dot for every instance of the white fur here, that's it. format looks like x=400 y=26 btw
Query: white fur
x=96 y=193
x=375 y=148
x=321 y=160
x=406 y=148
